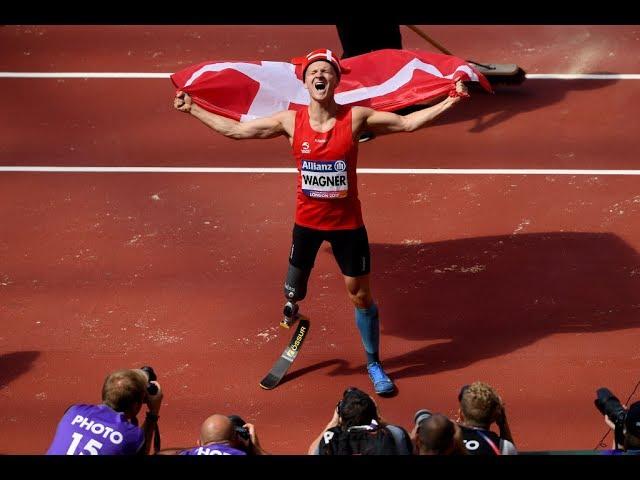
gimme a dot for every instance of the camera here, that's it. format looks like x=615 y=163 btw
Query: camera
x=238 y=426
x=151 y=377
x=608 y=404
x=421 y=415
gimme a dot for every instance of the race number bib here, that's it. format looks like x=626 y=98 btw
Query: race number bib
x=324 y=179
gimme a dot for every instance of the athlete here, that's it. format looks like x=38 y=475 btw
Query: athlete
x=324 y=139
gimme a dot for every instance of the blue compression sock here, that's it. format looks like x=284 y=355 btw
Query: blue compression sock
x=369 y=326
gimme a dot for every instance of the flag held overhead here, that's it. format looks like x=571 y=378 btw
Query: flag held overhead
x=384 y=80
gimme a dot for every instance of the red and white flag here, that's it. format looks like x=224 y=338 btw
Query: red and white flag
x=383 y=80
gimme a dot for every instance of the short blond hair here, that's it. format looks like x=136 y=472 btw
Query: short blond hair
x=480 y=403
x=123 y=389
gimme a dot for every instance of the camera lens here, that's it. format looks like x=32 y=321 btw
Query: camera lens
x=421 y=415
x=150 y=373
x=151 y=377
x=238 y=426
x=608 y=404
x=236 y=420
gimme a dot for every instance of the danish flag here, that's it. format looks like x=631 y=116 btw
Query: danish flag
x=383 y=80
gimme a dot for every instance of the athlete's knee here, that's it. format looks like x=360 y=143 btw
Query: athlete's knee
x=360 y=296
x=361 y=299
x=359 y=291
x=295 y=285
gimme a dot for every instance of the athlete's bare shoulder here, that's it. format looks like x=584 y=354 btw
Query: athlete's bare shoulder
x=288 y=120
x=362 y=112
x=359 y=116
x=284 y=114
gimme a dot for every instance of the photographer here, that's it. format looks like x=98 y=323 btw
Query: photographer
x=356 y=428
x=111 y=428
x=480 y=407
x=625 y=423
x=222 y=435
x=436 y=434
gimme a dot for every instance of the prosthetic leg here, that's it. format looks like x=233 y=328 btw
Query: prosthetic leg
x=290 y=314
x=295 y=289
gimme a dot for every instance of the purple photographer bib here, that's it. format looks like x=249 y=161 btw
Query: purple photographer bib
x=95 y=430
x=213 y=449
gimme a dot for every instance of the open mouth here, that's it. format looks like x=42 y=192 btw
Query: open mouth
x=320 y=85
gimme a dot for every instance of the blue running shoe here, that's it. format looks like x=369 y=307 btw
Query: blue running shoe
x=382 y=384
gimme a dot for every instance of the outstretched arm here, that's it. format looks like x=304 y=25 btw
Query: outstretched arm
x=279 y=124
x=387 y=122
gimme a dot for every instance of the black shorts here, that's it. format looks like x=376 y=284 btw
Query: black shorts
x=350 y=249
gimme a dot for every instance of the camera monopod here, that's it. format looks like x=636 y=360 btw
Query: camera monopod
x=152 y=389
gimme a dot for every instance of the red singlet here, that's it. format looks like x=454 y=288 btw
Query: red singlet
x=327 y=193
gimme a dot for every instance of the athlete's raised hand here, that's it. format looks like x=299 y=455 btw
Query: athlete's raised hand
x=461 y=90
x=182 y=102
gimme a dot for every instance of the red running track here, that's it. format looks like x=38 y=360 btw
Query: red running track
x=527 y=282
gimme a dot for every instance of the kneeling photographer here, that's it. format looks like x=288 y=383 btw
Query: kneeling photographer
x=357 y=428
x=480 y=408
x=436 y=434
x=625 y=422
x=223 y=435
x=111 y=428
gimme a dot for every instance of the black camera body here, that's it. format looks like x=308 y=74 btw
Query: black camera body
x=151 y=377
x=238 y=426
x=608 y=404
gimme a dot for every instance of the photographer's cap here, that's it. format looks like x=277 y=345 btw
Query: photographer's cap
x=632 y=420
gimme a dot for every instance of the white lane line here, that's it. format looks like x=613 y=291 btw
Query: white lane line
x=82 y=75
x=254 y=170
x=582 y=76
x=529 y=76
